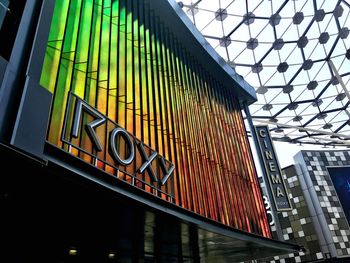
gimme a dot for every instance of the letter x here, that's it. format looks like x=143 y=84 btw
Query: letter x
x=166 y=171
x=147 y=162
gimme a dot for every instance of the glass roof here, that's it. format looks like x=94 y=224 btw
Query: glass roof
x=296 y=53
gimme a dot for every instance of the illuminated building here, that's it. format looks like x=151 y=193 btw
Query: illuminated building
x=137 y=127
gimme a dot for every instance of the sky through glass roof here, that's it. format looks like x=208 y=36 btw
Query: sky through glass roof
x=296 y=53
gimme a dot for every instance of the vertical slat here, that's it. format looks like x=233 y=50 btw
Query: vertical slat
x=182 y=197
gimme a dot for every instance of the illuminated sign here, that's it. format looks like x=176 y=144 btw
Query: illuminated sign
x=111 y=144
x=273 y=171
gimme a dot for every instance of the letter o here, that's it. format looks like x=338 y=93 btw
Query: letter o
x=113 y=148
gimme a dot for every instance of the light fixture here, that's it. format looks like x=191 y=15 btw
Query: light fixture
x=111 y=255
x=73 y=251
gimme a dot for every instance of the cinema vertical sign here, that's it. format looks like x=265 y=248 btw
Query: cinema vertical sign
x=273 y=172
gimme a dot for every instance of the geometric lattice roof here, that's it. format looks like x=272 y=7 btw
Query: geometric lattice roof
x=296 y=53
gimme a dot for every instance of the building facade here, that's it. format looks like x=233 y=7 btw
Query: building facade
x=319 y=191
x=328 y=215
x=127 y=64
x=131 y=126
x=297 y=225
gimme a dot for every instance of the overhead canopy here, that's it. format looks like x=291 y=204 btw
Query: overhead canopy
x=291 y=52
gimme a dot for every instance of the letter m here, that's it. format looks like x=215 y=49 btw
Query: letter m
x=276 y=179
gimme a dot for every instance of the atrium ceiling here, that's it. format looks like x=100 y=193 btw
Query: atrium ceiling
x=295 y=53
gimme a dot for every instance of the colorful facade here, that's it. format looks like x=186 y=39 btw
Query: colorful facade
x=123 y=61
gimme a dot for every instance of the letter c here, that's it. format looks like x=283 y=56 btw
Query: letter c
x=262 y=133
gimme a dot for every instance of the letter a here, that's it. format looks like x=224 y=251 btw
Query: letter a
x=279 y=192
